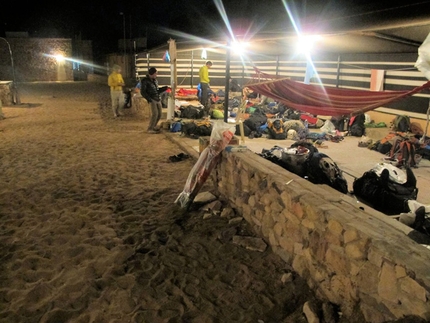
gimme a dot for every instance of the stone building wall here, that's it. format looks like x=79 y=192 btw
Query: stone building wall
x=34 y=59
x=360 y=260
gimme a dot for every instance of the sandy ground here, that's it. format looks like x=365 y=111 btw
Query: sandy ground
x=89 y=231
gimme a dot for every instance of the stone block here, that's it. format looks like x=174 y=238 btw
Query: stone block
x=342 y=286
x=251 y=201
x=367 y=278
x=371 y=314
x=409 y=305
x=309 y=224
x=333 y=238
x=284 y=254
x=286 y=244
x=318 y=246
x=400 y=271
x=244 y=181
x=299 y=266
x=273 y=239
x=335 y=227
x=298 y=248
x=350 y=235
x=336 y=260
x=387 y=286
x=278 y=229
x=411 y=287
x=357 y=250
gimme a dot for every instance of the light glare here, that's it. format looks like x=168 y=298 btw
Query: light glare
x=306 y=44
x=59 y=58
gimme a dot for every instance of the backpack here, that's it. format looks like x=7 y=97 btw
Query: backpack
x=246 y=130
x=404 y=152
x=256 y=120
x=276 y=130
x=385 y=144
x=197 y=129
x=384 y=194
x=339 y=123
x=191 y=112
x=422 y=221
x=356 y=126
x=307 y=162
x=321 y=169
x=176 y=126
x=401 y=123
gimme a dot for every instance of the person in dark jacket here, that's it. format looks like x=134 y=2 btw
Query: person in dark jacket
x=234 y=86
x=150 y=91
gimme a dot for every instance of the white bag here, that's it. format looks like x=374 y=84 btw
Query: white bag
x=423 y=61
x=328 y=127
x=395 y=174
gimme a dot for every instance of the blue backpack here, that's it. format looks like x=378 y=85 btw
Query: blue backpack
x=176 y=126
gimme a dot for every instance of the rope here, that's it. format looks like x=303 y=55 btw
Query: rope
x=394 y=69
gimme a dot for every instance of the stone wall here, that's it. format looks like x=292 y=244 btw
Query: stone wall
x=360 y=260
x=102 y=79
x=34 y=60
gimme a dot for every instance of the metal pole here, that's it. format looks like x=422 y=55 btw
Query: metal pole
x=227 y=81
x=338 y=71
x=124 y=44
x=15 y=88
x=192 y=67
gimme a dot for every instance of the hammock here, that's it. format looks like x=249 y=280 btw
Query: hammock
x=320 y=100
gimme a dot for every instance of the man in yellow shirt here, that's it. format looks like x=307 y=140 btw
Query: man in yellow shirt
x=204 y=85
x=116 y=82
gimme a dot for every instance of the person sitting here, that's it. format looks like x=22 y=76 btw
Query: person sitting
x=249 y=94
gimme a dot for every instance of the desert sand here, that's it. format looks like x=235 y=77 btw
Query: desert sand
x=90 y=231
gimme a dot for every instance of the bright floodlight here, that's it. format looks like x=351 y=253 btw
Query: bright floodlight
x=59 y=58
x=306 y=43
x=204 y=54
x=239 y=48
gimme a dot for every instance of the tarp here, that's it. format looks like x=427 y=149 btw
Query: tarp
x=328 y=101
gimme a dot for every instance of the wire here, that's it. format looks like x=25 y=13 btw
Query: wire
x=394 y=69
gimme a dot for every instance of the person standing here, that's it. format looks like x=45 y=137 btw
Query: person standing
x=204 y=85
x=150 y=91
x=234 y=86
x=116 y=82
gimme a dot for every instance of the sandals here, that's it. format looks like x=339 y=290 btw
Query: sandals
x=178 y=157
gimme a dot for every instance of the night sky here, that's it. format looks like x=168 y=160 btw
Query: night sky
x=102 y=23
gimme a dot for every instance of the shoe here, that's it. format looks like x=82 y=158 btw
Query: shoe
x=152 y=131
x=174 y=159
x=183 y=156
x=178 y=157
